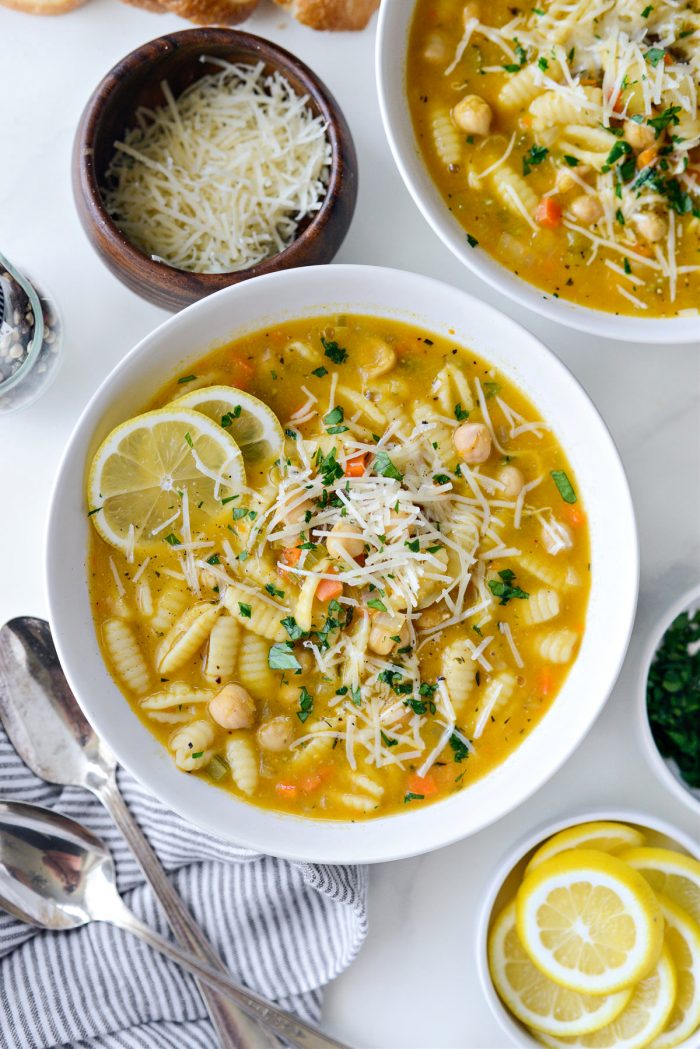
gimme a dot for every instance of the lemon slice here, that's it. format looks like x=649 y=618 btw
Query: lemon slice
x=253 y=425
x=589 y=921
x=536 y=1000
x=141 y=472
x=606 y=837
x=639 y=1022
x=672 y=873
x=683 y=942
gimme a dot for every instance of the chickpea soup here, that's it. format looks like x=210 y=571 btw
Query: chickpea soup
x=340 y=568
x=565 y=139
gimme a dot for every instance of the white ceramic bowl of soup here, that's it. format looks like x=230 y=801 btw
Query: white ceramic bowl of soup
x=395 y=18
x=312 y=292
x=665 y=769
x=507 y=877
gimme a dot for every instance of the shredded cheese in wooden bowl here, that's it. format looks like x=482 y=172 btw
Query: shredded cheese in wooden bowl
x=220 y=178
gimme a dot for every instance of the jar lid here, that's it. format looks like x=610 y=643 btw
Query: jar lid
x=6 y=323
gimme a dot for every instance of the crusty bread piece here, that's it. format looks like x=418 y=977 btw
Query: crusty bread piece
x=331 y=14
x=43 y=7
x=147 y=5
x=211 y=12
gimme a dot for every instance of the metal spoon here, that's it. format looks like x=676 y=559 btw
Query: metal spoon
x=56 y=874
x=52 y=736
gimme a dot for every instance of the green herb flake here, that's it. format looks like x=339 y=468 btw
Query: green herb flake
x=472 y=241
x=460 y=413
x=95 y=511
x=377 y=604
x=534 y=156
x=460 y=750
x=214 y=560
x=281 y=657
x=245 y=610
x=673 y=696
x=573 y=162
x=186 y=378
x=647 y=10
x=189 y=440
x=566 y=489
x=383 y=465
x=292 y=627
x=306 y=704
x=655 y=55
x=410 y=796
x=504 y=589
x=320 y=372
x=173 y=540
x=336 y=353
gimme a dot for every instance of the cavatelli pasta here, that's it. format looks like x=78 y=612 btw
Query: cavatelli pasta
x=253 y=669
x=358 y=802
x=242 y=757
x=556 y=575
x=312 y=751
x=186 y=637
x=446 y=138
x=365 y=783
x=459 y=672
x=176 y=694
x=552 y=108
x=191 y=746
x=558 y=646
x=520 y=89
x=495 y=695
x=264 y=619
x=170 y=605
x=514 y=191
x=224 y=642
x=126 y=656
x=542 y=605
x=452 y=387
x=590 y=145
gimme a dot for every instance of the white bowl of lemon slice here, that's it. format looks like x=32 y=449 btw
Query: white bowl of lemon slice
x=590 y=936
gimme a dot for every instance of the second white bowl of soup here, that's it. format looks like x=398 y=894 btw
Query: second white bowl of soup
x=342 y=564
x=556 y=163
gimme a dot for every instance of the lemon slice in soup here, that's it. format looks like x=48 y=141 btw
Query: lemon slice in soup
x=253 y=425
x=161 y=475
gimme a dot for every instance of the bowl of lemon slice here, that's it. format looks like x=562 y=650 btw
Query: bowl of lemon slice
x=590 y=936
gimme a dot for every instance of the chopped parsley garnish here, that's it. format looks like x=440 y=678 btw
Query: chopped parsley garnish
x=291 y=433
x=274 y=591
x=229 y=499
x=189 y=440
x=320 y=372
x=673 y=696
x=376 y=603
x=573 y=162
x=626 y=265
x=521 y=55
x=333 y=419
x=669 y=116
x=543 y=63
x=214 y=560
x=413 y=545
x=383 y=465
x=186 y=378
x=228 y=418
x=460 y=413
x=472 y=241
x=336 y=353
x=198 y=754
x=95 y=511
x=245 y=610
x=566 y=489
x=356 y=695
x=655 y=55
x=647 y=10
x=387 y=740
x=459 y=748
x=239 y=512
x=441 y=479
x=504 y=588
x=281 y=657
x=306 y=704
x=173 y=540
x=491 y=389
x=410 y=796
x=329 y=467
x=292 y=627
x=534 y=156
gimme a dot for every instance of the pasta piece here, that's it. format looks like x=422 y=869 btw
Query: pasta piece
x=459 y=672
x=520 y=89
x=494 y=697
x=126 y=656
x=558 y=646
x=186 y=637
x=424 y=416
x=314 y=750
x=243 y=759
x=264 y=618
x=514 y=191
x=253 y=670
x=552 y=108
x=446 y=138
x=172 y=603
x=349 y=397
x=303 y=349
x=144 y=599
x=591 y=145
x=303 y=611
x=191 y=746
x=368 y=785
x=542 y=606
x=452 y=387
x=224 y=641
x=555 y=575
x=359 y=802
x=175 y=695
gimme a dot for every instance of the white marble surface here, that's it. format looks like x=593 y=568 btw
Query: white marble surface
x=415 y=983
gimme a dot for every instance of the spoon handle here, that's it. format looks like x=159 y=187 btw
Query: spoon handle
x=233 y=1028
x=293 y=1030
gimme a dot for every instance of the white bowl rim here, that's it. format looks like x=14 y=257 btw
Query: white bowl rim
x=688 y=600
x=392 y=22
x=512 y=1027
x=384 y=838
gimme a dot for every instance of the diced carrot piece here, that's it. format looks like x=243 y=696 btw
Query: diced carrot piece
x=290 y=556
x=526 y=121
x=316 y=779
x=328 y=590
x=548 y=213
x=286 y=790
x=588 y=81
x=647 y=157
x=355 y=467
x=545 y=681
x=668 y=59
x=242 y=372
x=424 y=785
x=575 y=516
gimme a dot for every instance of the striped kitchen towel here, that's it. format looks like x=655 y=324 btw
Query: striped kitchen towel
x=284 y=929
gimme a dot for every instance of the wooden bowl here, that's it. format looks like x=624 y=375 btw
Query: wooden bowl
x=134 y=82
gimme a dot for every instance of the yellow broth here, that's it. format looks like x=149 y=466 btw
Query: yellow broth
x=426 y=390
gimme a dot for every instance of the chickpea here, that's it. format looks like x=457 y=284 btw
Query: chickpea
x=512 y=478
x=650 y=226
x=586 y=208
x=639 y=136
x=473 y=115
x=381 y=358
x=469 y=11
x=306 y=660
x=233 y=708
x=344 y=541
x=288 y=694
x=472 y=442
x=276 y=734
x=385 y=627
x=435 y=49
x=565 y=181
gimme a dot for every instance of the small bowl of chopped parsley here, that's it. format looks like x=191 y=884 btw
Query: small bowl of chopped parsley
x=670 y=694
